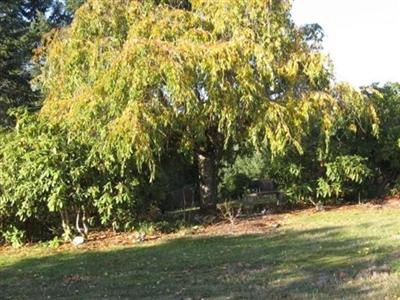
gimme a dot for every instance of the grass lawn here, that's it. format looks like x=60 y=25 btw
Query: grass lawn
x=339 y=254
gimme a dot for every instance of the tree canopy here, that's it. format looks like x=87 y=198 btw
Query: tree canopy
x=209 y=75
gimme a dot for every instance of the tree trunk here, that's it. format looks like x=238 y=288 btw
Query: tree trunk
x=208 y=180
x=65 y=225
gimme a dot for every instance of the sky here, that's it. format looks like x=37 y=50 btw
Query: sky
x=361 y=36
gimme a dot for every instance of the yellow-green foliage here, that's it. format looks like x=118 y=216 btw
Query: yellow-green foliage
x=134 y=73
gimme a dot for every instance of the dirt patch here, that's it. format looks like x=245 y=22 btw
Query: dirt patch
x=251 y=225
x=387 y=202
x=260 y=224
x=106 y=239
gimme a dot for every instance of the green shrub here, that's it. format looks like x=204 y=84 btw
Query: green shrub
x=47 y=174
x=13 y=236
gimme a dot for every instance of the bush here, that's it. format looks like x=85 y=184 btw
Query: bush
x=46 y=174
x=13 y=236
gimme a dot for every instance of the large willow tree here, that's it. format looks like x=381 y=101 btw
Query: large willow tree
x=204 y=77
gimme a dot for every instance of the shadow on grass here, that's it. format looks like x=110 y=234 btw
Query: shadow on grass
x=284 y=264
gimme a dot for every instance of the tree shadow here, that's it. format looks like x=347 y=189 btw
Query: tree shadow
x=284 y=264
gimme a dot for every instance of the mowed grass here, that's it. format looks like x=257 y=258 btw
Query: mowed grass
x=326 y=255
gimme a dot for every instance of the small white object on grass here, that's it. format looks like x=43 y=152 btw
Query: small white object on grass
x=78 y=240
x=140 y=237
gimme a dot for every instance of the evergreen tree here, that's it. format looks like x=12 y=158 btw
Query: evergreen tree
x=22 y=25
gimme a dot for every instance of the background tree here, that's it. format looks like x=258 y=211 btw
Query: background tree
x=335 y=163
x=383 y=154
x=22 y=25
